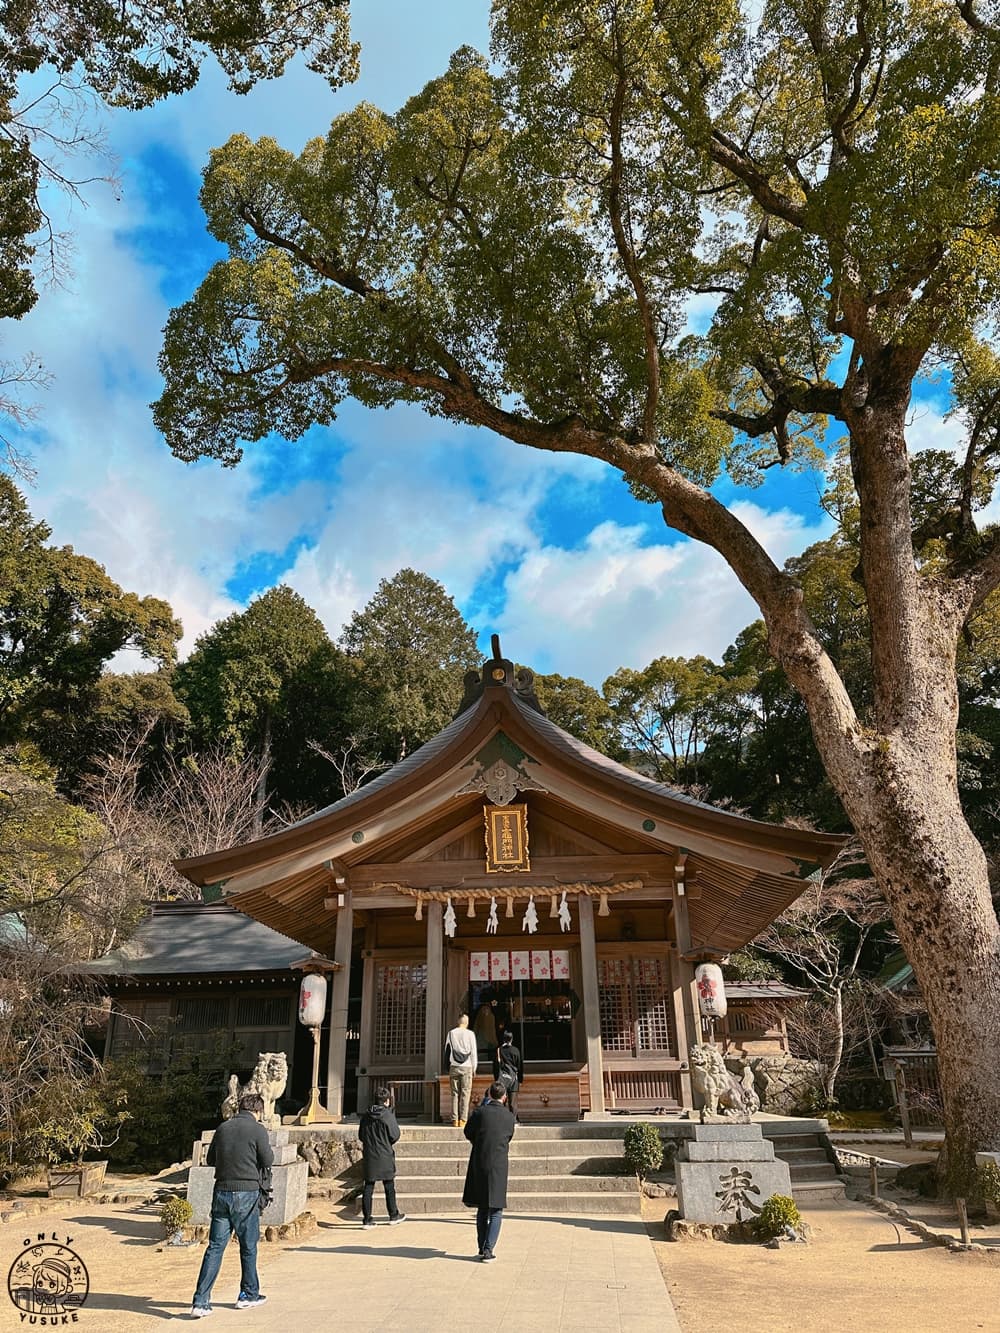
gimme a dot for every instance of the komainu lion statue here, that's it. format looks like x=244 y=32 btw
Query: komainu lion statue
x=268 y=1079
x=719 y=1087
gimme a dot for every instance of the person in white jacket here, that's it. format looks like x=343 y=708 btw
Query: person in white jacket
x=461 y=1056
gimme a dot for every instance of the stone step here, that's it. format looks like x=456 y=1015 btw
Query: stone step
x=793 y=1141
x=597 y=1202
x=535 y=1166
x=806 y=1192
x=545 y=1148
x=524 y=1184
x=583 y=1129
x=804 y=1157
x=824 y=1171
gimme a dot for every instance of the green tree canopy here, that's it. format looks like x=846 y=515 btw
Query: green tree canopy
x=411 y=646
x=268 y=680
x=61 y=620
x=129 y=54
x=579 y=709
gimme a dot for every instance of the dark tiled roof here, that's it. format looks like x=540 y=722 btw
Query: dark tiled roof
x=186 y=938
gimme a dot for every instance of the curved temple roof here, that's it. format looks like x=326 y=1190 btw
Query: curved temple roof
x=750 y=870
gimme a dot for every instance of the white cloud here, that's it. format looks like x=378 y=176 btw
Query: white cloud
x=453 y=507
x=927 y=428
x=616 y=602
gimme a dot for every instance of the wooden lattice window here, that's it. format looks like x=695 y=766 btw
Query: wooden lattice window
x=141 y=1027
x=617 y=1022
x=203 y=1013
x=635 y=1005
x=400 y=1010
x=654 y=1016
x=263 y=1011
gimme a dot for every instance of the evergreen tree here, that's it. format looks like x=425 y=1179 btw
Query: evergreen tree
x=411 y=646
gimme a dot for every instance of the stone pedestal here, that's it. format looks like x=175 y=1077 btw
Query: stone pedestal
x=289 y=1179
x=725 y=1172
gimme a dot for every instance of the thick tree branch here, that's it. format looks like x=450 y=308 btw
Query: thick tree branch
x=727 y=154
x=686 y=507
x=626 y=252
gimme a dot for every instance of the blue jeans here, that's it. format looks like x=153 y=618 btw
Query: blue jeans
x=232 y=1210
x=488 y=1228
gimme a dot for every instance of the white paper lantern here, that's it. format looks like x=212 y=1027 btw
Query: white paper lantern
x=312 y=1000
x=711 y=990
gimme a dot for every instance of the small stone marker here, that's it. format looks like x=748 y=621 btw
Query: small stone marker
x=725 y=1173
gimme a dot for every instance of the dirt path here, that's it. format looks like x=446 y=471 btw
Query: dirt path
x=859 y=1274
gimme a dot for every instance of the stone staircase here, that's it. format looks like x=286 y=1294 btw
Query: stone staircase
x=576 y=1168
x=814 y=1176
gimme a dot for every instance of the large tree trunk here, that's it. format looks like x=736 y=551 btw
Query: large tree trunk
x=898 y=783
x=933 y=874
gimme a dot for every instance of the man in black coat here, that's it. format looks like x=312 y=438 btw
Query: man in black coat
x=508 y=1069
x=490 y=1130
x=241 y=1153
x=378 y=1131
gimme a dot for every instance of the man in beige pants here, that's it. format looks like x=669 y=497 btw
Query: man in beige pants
x=461 y=1057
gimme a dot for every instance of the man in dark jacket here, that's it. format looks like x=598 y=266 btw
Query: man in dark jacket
x=378 y=1131
x=490 y=1130
x=242 y=1157
x=508 y=1069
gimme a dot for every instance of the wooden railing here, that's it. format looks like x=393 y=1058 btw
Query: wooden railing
x=637 y=1086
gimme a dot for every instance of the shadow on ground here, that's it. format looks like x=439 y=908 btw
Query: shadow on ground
x=140 y=1232
x=144 y=1305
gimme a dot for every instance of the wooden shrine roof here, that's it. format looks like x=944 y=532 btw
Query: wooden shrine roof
x=746 y=871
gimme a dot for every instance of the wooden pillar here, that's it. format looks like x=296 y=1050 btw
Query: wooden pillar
x=681 y=1026
x=591 y=1003
x=433 y=1035
x=367 y=1019
x=685 y=983
x=336 y=1062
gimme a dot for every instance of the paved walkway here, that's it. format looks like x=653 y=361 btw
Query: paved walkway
x=558 y=1274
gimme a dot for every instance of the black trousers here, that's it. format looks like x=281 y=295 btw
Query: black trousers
x=390 y=1198
x=512 y=1100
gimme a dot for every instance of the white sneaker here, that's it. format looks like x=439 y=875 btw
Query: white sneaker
x=249 y=1302
x=200 y=1311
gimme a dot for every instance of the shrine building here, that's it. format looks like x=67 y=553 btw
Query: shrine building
x=509 y=871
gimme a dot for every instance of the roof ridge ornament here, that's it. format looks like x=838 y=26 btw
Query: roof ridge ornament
x=499 y=672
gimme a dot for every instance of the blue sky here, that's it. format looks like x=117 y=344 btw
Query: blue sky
x=551 y=552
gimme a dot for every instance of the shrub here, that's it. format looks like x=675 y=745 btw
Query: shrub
x=174 y=1214
x=778 y=1212
x=643 y=1149
x=67 y=1118
x=167 y=1114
